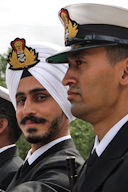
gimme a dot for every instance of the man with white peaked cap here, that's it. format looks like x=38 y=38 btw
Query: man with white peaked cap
x=97 y=36
x=9 y=134
x=43 y=114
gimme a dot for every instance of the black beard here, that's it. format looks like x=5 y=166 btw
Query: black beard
x=49 y=136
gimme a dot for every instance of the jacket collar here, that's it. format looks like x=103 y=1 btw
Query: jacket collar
x=106 y=163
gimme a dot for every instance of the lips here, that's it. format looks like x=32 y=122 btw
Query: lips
x=30 y=123
x=72 y=94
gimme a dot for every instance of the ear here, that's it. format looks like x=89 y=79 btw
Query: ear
x=124 y=78
x=3 y=125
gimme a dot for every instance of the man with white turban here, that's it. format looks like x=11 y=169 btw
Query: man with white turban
x=43 y=114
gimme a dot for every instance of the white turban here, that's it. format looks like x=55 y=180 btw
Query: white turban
x=50 y=76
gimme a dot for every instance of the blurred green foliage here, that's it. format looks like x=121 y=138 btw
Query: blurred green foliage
x=83 y=136
x=23 y=146
x=81 y=131
x=3 y=63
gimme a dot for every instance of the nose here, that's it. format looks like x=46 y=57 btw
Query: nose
x=28 y=108
x=69 y=78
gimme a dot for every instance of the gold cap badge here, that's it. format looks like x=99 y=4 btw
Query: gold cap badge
x=71 y=28
x=22 y=57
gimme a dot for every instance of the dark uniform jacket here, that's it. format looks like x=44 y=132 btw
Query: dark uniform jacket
x=48 y=172
x=109 y=173
x=9 y=164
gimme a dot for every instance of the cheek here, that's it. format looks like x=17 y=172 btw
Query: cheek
x=95 y=86
x=88 y=85
x=18 y=115
x=49 y=111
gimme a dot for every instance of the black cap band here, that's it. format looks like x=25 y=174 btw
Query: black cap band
x=99 y=32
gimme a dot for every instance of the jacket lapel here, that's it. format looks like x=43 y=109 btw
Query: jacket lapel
x=96 y=174
x=8 y=154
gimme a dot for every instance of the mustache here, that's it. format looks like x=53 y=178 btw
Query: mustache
x=73 y=87
x=33 y=119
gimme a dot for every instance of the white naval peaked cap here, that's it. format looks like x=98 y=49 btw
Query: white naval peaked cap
x=6 y=106
x=89 y=13
x=89 y=25
x=4 y=93
x=32 y=59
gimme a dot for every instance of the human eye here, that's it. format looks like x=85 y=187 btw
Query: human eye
x=40 y=97
x=79 y=63
x=20 y=100
x=75 y=62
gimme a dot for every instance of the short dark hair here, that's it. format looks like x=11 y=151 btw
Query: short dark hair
x=8 y=112
x=116 y=53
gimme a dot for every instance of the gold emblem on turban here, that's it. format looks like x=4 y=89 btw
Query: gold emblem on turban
x=71 y=28
x=21 y=56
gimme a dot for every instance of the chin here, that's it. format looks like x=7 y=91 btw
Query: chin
x=33 y=140
x=78 y=112
x=75 y=111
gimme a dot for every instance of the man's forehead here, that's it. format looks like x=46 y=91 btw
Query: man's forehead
x=85 y=52
x=29 y=83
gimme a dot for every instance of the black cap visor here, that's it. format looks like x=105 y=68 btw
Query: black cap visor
x=61 y=57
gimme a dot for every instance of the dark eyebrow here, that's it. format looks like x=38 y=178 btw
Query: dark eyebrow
x=37 y=90
x=19 y=94
x=31 y=91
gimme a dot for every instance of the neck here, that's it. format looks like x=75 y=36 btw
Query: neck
x=37 y=146
x=4 y=143
x=102 y=127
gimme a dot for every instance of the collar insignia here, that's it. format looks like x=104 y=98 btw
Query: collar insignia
x=71 y=27
x=22 y=57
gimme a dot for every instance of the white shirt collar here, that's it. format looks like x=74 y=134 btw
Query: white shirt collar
x=32 y=157
x=101 y=146
x=6 y=147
